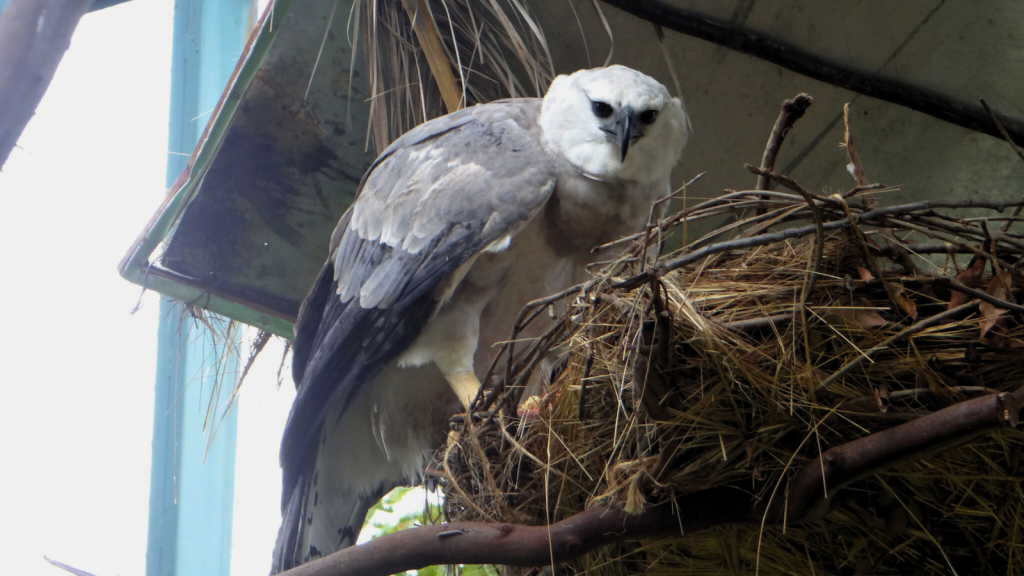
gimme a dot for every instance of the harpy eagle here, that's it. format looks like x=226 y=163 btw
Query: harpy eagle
x=457 y=225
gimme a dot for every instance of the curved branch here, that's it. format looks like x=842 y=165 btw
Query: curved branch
x=941 y=430
x=515 y=545
x=796 y=59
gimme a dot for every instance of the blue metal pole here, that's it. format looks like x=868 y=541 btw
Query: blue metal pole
x=192 y=487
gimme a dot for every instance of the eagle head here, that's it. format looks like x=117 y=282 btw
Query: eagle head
x=614 y=122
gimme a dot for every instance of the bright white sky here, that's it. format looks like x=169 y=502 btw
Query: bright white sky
x=77 y=412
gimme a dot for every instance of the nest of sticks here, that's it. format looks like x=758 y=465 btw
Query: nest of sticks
x=794 y=387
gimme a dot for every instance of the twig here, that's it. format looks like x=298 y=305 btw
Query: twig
x=764 y=239
x=792 y=110
x=855 y=167
x=759 y=223
x=898 y=337
x=1002 y=130
x=262 y=337
x=737 y=244
x=819 y=244
x=777 y=320
x=952 y=284
x=858 y=189
x=784 y=180
x=671 y=220
x=1020 y=153
x=649 y=383
x=516 y=545
x=931 y=233
x=915 y=392
x=507 y=349
x=871 y=261
x=962 y=230
x=524 y=369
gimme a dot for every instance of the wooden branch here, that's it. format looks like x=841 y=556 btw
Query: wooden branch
x=952 y=284
x=910 y=441
x=1013 y=146
x=796 y=59
x=792 y=110
x=34 y=34
x=785 y=181
x=515 y=545
x=1006 y=136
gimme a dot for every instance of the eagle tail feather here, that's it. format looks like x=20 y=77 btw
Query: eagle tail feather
x=317 y=527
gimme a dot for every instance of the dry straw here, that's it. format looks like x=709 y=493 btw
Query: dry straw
x=733 y=363
x=475 y=51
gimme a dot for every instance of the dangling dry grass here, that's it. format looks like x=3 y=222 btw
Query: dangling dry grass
x=491 y=48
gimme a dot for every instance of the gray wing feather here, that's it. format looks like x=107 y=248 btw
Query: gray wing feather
x=435 y=197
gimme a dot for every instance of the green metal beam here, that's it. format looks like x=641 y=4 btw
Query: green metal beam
x=192 y=489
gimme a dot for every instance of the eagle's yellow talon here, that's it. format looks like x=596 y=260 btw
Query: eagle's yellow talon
x=465 y=385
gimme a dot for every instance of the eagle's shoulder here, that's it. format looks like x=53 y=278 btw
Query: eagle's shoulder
x=482 y=168
x=437 y=196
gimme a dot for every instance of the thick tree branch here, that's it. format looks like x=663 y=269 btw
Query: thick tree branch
x=515 y=545
x=34 y=34
x=927 y=435
x=790 y=57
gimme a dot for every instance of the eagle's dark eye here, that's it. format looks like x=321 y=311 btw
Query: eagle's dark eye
x=601 y=109
x=648 y=116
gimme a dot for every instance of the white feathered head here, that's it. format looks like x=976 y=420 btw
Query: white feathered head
x=614 y=122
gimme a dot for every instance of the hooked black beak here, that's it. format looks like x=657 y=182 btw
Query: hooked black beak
x=627 y=129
